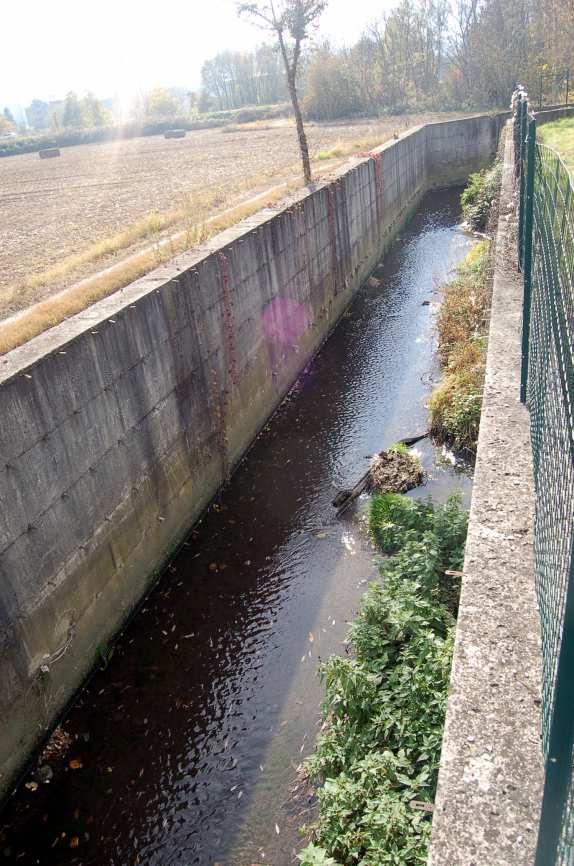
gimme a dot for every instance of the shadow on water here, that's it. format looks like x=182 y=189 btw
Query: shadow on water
x=189 y=740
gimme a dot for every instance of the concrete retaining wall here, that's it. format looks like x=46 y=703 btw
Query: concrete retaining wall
x=490 y=779
x=548 y=114
x=119 y=425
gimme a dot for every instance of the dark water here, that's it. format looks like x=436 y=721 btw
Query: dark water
x=190 y=738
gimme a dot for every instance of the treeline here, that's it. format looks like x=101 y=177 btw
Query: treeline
x=427 y=54
x=498 y=43
x=89 y=112
x=72 y=112
x=134 y=129
x=233 y=79
x=423 y=54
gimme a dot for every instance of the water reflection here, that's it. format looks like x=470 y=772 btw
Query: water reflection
x=188 y=742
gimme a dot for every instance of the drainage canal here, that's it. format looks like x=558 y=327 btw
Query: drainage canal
x=184 y=748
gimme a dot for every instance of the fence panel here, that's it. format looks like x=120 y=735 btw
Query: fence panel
x=546 y=256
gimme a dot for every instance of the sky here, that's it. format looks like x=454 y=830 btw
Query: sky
x=123 y=47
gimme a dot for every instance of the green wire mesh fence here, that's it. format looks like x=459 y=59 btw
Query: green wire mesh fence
x=546 y=257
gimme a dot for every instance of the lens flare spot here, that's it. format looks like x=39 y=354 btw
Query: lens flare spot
x=284 y=321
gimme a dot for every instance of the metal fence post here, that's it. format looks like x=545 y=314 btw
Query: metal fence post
x=522 y=120
x=559 y=761
x=527 y=206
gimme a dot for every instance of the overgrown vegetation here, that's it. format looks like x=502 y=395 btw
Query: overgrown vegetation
x=456 y=404
x=479 y=195
x=378 y=754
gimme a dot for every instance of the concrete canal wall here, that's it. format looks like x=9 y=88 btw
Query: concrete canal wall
x=120 y=424
x=491 y=775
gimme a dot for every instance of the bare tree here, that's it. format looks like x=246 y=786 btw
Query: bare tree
x=291 y=22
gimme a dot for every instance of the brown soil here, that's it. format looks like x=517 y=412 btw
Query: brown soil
x=55 y=208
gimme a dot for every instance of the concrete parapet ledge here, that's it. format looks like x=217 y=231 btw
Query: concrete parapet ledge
x=490 y=779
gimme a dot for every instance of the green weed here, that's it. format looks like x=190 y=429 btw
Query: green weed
x=399 y=448
x=481 y=191
x=384 y=708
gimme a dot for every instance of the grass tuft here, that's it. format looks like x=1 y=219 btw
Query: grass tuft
x=361 y=146
x=400 y=448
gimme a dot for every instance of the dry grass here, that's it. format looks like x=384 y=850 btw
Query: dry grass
x=199 y=226
x=55 y=309
x=341 y=148
x=258 y=126
x=465 y=302
x=456 y=404
x=150 y=227
x=144 y=198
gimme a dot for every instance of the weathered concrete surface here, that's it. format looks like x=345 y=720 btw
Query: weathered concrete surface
x=490 y=780
x=120 y=424
x=456 y=148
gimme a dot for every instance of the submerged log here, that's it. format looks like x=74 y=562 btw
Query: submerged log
x=390 y=472
x=345 y=497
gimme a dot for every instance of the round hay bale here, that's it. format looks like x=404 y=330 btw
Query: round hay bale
x=49 y=152
x=174 y=133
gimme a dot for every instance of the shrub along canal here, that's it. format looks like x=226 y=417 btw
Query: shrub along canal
x=184 y=748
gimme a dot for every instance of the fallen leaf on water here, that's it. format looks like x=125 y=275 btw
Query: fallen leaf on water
x=75 y=764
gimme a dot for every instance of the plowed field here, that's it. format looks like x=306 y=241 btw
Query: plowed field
x=52 y=209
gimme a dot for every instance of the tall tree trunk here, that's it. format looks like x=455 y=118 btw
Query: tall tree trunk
x=291 y=73
x=303 y=146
